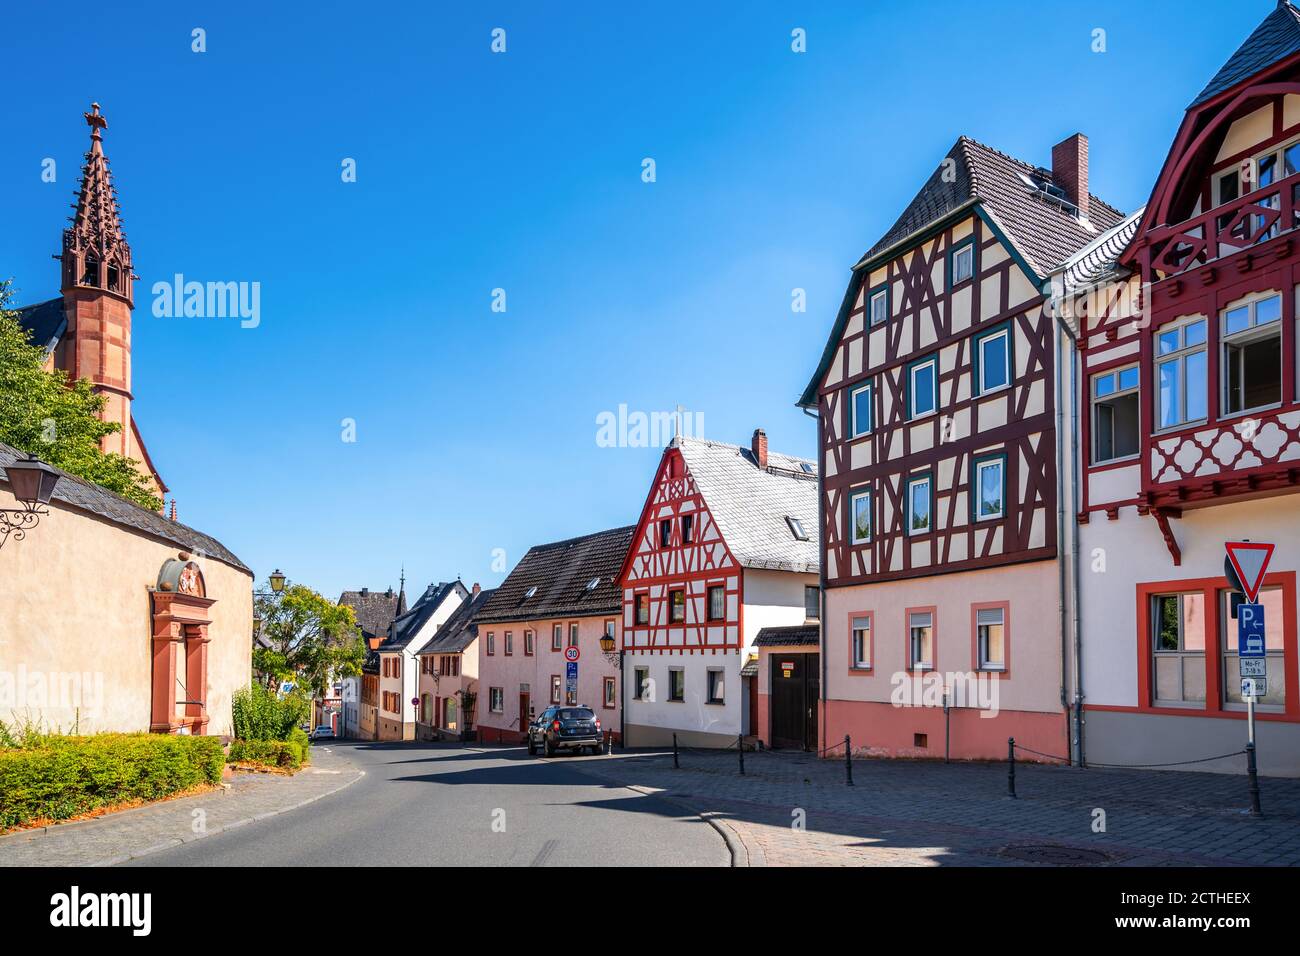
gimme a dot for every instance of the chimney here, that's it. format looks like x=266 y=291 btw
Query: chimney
x=173 y=516
x=758 y=445
x=365 y=592
x=474 y=592
x=1070 y=170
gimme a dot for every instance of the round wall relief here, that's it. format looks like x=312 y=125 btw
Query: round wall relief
x=182 y=577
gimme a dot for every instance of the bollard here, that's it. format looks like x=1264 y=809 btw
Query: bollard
x=676 y=765
x=740 y=749
x=1254 y=780
x=1011 y=767
x=609 y=743
x=848 y=761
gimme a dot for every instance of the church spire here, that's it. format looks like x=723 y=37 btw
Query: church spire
x=95 y=250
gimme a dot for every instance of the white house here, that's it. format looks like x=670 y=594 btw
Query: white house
x=399 y=666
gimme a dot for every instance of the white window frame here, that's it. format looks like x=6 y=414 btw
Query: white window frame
x=1098 y=400
x=966 y=249
x=499 y=705
x=854 y=430
x=1001 y=464
x=872 y=298
x=1180 y=356
x=926 y=481
x=933 y=363
x=853 y=514
x=982 y=641
x=914 y=624
x=1252 y=333
x=860 y=625
x=981 y=341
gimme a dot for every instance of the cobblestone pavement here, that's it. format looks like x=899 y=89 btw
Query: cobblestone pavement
x=924 y=813
x=118 y=837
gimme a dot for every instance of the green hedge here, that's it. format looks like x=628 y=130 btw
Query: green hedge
x=271 y=753
x=57 y=778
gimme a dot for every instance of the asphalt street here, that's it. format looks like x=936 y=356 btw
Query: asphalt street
x=425 y=804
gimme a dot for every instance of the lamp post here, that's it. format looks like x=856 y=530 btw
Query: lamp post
x=607 y=644
x=32 y=482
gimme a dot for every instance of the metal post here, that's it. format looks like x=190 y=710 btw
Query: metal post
x=609 y=742
x=740 y=749
x=676 y=765
x=848 y=761
x=1011 y=767
x=947 y=729
x=1254 y=781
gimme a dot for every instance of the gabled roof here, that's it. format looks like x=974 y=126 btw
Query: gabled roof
x=406 y=627
x=374 y=610
x=45 y=323
x=91 y=498
x=459 y=630
x=1276 y=38
x=561 y=572
x=750 y=504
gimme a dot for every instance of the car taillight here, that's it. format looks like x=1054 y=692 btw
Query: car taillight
x=598 y=725
x=555 y=725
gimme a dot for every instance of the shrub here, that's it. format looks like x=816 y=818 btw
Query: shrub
x=56 y=778
x=269 y=753
x=260 y=714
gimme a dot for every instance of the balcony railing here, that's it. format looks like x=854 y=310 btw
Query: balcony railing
x=1247 y=221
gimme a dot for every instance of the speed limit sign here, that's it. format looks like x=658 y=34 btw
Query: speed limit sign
x=571 y=654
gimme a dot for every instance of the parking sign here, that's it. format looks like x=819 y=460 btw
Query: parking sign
x=1250 y=630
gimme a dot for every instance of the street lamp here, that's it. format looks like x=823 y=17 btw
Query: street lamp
x=32 y=482
x=277 y=580
x=607 y=645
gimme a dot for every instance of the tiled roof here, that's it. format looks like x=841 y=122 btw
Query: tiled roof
x=45 y=322
x=1099 y=260
x=374 y=610
x=749 y=668
x=560 y=572
x=91 y=498
x=750 y=504
x=406 y=627
x=1044 y=230
x=459 y=630
x=1276 y=38
x=790 y=636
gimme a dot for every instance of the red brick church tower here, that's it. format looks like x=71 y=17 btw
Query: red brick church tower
x=88 y=332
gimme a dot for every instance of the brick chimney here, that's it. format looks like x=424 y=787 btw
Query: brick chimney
x=758 y=445
x=1070 y=170
x=474 y=591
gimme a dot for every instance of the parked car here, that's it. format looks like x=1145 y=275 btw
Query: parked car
x=564 y=728
x=323 y=732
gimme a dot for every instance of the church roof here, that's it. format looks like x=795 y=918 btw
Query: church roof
x=44 y=322
x=92 y=499
x=97 y=222
x=1276 y=38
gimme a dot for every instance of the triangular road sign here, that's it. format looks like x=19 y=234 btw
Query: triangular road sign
x=1250 y=560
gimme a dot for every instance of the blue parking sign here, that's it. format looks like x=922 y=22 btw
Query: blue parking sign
x=1250 y=630
x=571 y=677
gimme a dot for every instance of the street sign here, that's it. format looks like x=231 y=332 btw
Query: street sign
x=1247 y=565
x=571 y=654
x=1255 y=687
x=1250 y=630
x=571 y=676
x=1254 y=666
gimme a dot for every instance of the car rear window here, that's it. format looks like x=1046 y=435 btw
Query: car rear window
x=576 y=713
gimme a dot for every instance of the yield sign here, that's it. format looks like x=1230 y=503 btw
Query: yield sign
x=1250 y=562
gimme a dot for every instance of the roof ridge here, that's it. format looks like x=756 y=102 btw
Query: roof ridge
x=727 y=444
x=581 y=537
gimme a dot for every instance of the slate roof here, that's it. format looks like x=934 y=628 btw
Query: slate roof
x=406 y=627
x=375 y=610
x=459 y=630
x=91 y=498
x=45 y=322
x=793 y=635
x=1276 y=38
x=750 y=504
x=1099 y=260
x=561 y=571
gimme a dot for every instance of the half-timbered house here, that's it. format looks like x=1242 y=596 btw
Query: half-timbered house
x=939 y=417
x=725 y=546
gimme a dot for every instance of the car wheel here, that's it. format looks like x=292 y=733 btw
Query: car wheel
x=532 y=747
x=550 y=749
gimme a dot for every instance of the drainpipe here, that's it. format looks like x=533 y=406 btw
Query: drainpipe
x=821 y=576
x=1060 y=536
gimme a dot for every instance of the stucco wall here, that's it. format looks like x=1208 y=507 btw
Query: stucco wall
x=773 y=599
x=75 y=595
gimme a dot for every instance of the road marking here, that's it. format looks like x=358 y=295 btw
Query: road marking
x=544 y=854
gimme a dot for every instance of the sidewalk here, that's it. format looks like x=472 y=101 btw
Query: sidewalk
x=927 y=813
x=118 y=837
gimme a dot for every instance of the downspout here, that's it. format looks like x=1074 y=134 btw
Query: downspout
x=1060 y=535
x=1078 y=612
x=821 y=575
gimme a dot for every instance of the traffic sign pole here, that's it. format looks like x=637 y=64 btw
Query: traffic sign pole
x=1245 y=568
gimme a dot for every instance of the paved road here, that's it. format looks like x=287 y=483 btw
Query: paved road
x=444 y=805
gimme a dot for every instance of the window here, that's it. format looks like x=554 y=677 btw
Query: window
x=1252 y=355
x=573 y=633
x=609 y=629
x=557 y=636
x=688 y=525
x=993 y=360
x=641 y=683
x=555 y=688
x=879 y=304
x=796 y=528
x=717 y=602
x=610 y=692
x=1178 y=649
x=991 y=638
x=861 y=642
x=510 y=643
x=716 y=686
x=496 y=700
x=860 y=410
x=665 y=532
x=1274 y=637
x=1180 y=374
x=919 y=504
x=676 y=684
x=491 y=644
x=528 y=643
x=920 y=626
x=922 y=387
x=641 y=604
x=1115 y=419
x=676 y=606
x=961 y=262
x=990 y=487
x=812 y=602
x=1227 y=187
x=860 y=517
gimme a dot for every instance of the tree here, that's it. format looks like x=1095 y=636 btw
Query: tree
x=45 y=414
x=309 y=639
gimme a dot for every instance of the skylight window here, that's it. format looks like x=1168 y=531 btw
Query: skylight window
x=593 y=584
x=531 y=592
x=796 y=528
x=807 y=468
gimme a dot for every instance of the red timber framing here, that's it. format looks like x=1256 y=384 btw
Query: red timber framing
x=653 y=572
x=929 y=318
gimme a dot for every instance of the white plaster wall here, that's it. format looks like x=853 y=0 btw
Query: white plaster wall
x=773 y=599
x=692 y=714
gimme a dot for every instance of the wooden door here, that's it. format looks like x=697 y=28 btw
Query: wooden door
x=795 y=683
x=523 y=712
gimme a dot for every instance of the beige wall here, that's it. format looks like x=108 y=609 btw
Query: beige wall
x=75 y=608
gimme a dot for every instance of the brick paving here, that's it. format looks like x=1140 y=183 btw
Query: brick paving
x=927 y=813
x=117 y=837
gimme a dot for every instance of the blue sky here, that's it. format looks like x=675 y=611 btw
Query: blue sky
x=476 y=430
